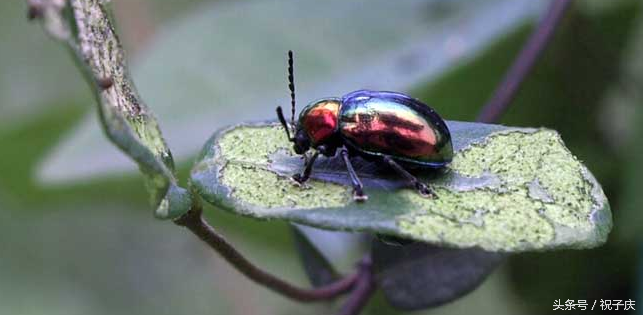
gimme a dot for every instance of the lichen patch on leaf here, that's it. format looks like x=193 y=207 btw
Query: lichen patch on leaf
x=506 y=221
x=267 y=190
x=511 y=216
x=252 y=145
x=507 y=189
x=247 y=152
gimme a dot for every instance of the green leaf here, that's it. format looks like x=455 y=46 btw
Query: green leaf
x=85 y=26
x=507 y=189
x=418 y=275
x=201 y=66
x=318 y=269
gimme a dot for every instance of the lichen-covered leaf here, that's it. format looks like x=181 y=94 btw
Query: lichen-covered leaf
x=86 y=28
x=418 y=275
x=507 y=189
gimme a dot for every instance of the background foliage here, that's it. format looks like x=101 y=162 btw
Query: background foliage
x=88 y=245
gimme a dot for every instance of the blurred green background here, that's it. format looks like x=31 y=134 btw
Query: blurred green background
x=77 y=235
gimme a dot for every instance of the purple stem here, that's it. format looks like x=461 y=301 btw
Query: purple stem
x=194 y=221
x=362 y=291
x=523 y=64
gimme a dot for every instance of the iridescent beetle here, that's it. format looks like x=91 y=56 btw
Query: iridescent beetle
x=383 y=126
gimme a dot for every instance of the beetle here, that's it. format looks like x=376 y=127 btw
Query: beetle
x=387 y=127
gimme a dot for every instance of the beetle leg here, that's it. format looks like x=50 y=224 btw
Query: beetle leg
x=308 y=168
x=422 y=188
x=358 y=191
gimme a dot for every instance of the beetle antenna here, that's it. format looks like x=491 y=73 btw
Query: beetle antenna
x=291 y=86
x=280 y=115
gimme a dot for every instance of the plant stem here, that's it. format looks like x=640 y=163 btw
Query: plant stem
x=194 y=221
x=525 y=61
x=363 y=290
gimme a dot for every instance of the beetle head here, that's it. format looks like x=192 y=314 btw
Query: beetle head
x=301 y=142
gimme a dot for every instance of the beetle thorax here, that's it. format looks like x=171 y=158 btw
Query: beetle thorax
x=319 y=120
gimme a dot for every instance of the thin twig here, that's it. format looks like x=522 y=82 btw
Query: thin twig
x=194 y=221
x=525 y=61
x=363 y=290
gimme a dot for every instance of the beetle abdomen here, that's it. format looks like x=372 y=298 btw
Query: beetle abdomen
x=389 y=123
